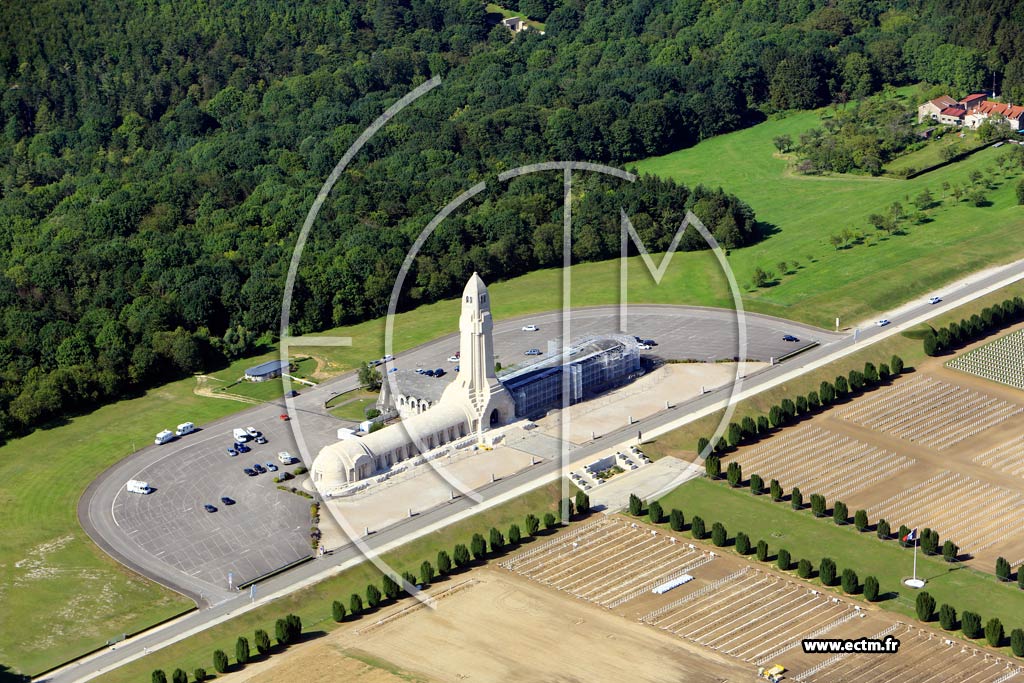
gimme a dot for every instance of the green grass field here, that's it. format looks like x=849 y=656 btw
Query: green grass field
x=61 y=594
x=931 y=154
x=806 y=537
x=857 y=282
x=313 y=604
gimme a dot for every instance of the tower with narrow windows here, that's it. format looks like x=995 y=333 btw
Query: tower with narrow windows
x=477 y=384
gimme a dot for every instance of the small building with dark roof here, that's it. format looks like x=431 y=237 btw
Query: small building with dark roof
x=266 y=371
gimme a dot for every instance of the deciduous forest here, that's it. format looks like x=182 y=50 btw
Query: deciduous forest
x=158 y=158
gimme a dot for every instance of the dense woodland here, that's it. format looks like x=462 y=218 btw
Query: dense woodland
x=158 y=157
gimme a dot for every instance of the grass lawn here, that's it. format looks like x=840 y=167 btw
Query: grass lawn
x=804 y=211
x=502 y=13
x=806 y=537
x=353 y=405
x=313 y=604
x=227 y=380
x=931 y=153
x=54 y=578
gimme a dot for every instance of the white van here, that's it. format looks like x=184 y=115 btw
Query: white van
x=185 y=428
x=164 y=437
x=241 y=435
x=136 y=486
x=286 y=458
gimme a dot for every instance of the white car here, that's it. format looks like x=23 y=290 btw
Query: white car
x=252 y=432
x=453 y=359
x=934 y=300
x=882 y=323
x=645 y=347
x=530 y=328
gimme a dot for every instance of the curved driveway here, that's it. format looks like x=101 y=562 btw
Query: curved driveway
x=167 y=536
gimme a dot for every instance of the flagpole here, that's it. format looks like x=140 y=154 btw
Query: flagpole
x=915 y=559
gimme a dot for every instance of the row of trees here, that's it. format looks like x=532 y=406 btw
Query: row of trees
x=991 y=319
x=789 y=410
x=827 y=571
x=969 y=623
x=287 y=631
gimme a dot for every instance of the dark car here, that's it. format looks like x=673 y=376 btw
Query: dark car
x=226 y=500
x=789 y=338
x=439 y=372
x=650 y=342
x=242 y=448
x=232 y=452
x=428 y=373
x=260 y=469
x=249 y=472
x=291 y=394
x=209 y=508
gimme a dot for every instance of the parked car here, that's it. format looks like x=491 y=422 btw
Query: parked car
x=252 y=432
x=286 y=458
x=650 y=342
x=934 y=300
x=534 y=352
x=226 y=500
x=882 y=323
x=392 y=370
x=260 y=469
x=232 y=452
x=261 y=439
x=292 y=394
x=456 y=368
x=209 y=508
x=272 y=467
x=242 y=448
x=530 y=328
x=428 y=373
x=644 y=347
x=439 y=372
x=284 y=417
x=454 y=358
x=250 y=472
x=789 y=338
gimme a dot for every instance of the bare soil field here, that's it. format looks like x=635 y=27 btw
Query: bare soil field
x=936 y=448
x=537 y=617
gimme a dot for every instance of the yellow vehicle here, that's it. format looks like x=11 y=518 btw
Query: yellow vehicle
x=772 y=674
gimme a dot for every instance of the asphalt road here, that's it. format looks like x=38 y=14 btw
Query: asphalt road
x=907 y=316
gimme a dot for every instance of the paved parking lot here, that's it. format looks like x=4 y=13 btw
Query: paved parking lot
x=264 y=530
x=168 y=536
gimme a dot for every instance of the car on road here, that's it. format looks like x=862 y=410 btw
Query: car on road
x=882 y=323
x=789 y=338
x=530 y=328
x=271 y=466
x=534 y=352
x=226 y=500
x=232 y=452
x=261 y=439
x=252 y=432
x=934 y=300
x=260 y=469
x=284 y=417
x=291 y=394
x=209 y=508
x=249 y=472
x=392 y=370
x=454 y=358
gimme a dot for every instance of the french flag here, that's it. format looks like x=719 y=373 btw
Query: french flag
x=912 y=536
